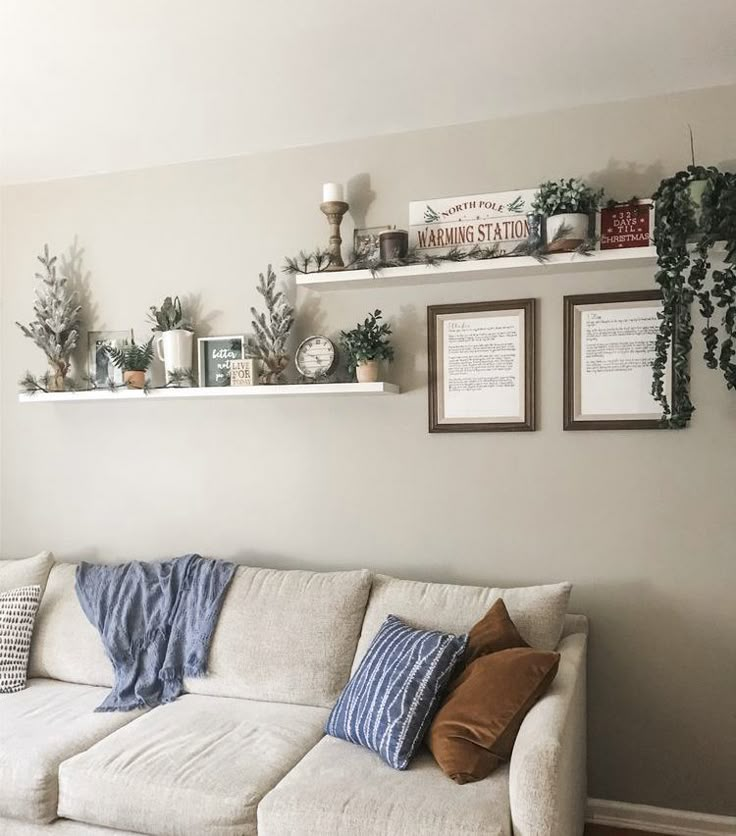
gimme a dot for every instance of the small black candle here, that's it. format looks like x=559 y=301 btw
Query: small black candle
x=394 y=244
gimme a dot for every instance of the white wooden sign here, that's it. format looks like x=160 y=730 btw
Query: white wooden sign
x=485 y=220
x=243 y=372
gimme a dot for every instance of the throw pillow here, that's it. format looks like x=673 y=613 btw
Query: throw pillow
x=495 y=631
x=388 y=704
x=474 y=730
x=17 y=613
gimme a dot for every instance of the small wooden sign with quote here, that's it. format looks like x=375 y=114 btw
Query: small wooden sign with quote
x=243 y=372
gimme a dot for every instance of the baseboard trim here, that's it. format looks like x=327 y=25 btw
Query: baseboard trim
x=658 y=819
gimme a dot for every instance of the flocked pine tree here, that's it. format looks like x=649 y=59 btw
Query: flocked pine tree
x=55 y=329
x=271 y=330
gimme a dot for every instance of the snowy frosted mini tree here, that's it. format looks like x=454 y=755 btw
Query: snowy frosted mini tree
x=55 y=329
x=271 y=330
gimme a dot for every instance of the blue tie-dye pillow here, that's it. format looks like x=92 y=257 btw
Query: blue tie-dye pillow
x=388 y=704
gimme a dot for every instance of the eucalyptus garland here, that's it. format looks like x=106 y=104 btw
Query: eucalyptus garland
x=684 y=240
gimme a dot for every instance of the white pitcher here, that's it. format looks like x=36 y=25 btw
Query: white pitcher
x=174 y=349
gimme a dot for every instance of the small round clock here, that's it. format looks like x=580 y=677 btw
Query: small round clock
x=316 y=357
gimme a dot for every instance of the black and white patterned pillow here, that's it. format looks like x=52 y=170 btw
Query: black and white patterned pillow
x=17 y=614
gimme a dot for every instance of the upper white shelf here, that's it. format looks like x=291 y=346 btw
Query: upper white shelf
x=216 y=392
x=482 y=269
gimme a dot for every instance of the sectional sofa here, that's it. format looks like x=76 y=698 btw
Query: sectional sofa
x=243 y=751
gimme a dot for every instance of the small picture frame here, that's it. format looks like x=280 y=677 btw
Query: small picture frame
x=366 y=241
x=215 y=355
x=481 y=366
x=608 y=355
x=100 y=368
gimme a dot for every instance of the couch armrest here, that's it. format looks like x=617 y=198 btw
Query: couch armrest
x=547 y=780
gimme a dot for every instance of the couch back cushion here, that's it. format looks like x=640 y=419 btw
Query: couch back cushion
x=537 y=611
x=286 y=636
x=28 y=571
x=65 y=645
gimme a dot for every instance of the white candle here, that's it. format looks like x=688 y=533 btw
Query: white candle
x=331 y=191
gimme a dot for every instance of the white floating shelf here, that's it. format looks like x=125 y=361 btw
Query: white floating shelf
x=314 y=389
x=482 y=269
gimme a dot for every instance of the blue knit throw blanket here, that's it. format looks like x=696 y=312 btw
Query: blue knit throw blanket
x=156 y=622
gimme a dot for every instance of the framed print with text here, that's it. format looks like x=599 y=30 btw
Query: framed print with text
x=481 y=366
x=608 y=356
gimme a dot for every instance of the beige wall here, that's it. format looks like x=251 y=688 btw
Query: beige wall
x=641 y=522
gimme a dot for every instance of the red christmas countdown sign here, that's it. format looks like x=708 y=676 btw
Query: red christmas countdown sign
x=626 y=225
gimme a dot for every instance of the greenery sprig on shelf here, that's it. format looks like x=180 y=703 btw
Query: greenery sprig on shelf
x=684 y=235
x=169 y=317
x=132 y=356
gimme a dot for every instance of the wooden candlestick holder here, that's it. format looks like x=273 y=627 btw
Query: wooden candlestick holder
x=334 y=210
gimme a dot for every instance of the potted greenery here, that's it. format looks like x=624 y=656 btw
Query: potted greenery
x=365 y=346
x=172 y=337
x=567 y=206
x=134 y=360
x=685 y=275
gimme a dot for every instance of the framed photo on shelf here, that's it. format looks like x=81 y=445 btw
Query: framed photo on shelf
x=608 y=356
x=481 y=366
x=214 y=355
x=100 y=368
x=366 y=241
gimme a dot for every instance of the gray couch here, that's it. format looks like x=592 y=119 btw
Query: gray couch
x=243 y=751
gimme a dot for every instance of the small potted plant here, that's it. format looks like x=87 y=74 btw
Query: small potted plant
x=134 y=359
x=172 y=337
x=567 y=206
x=365 y=346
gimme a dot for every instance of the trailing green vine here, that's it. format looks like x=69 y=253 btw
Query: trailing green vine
x=684 y=235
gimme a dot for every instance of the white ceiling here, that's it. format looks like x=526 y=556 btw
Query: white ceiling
x=102 y=85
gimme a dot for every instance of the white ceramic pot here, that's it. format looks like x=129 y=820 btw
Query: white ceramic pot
x=174 y=349
x=577 y=225
x=367 y=371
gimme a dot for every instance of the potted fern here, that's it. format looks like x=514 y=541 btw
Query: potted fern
x=365 y=346
x=568 y=207
x=134 y=360
x=172 y=337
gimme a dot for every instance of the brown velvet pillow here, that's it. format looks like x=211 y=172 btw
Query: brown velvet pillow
x=495 y=631
x=475 y=729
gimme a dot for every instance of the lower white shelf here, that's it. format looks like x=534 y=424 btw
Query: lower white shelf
x=310 y=389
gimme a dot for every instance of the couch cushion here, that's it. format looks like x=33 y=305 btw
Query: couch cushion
x=286 y=636
x=40 y=727
x=65 y=645
x=25 y=572
x=17 y=614
x=388 y=704
x=537 y=611
x=339 y=789
x=198 y=765
x=60 y=827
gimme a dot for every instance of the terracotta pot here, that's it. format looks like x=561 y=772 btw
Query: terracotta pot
x=134 y=380
x=577 y=224
x=367 y=371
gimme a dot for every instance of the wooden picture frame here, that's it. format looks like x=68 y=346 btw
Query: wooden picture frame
x=491 y=346
x=610 y=372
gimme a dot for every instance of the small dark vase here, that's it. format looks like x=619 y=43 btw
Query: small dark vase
x=393 y=244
